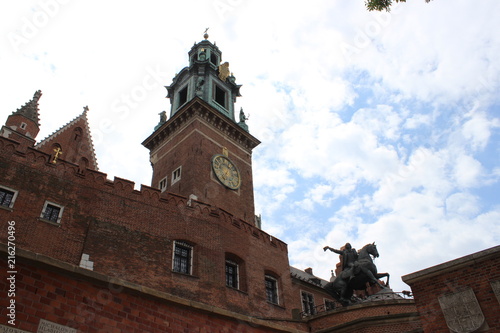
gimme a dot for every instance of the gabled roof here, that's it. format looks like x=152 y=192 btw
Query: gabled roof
x=30 y=110
x=63 y=137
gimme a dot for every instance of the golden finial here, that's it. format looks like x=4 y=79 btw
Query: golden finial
x=225 y=152
x=205 y=35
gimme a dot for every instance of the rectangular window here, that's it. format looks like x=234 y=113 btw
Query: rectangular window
x=52 y=212
x=213 y=59
x=308 y=303
x=220 y=96
x=183 y=96
x=163 y=184
x=7 y=197
x=182 y=257
x=271 y=289
x=231 y=274
x=176 y=175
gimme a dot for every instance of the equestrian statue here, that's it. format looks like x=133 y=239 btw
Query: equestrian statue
x=357 y=269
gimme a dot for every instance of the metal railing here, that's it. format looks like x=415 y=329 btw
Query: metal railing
x=332 y=305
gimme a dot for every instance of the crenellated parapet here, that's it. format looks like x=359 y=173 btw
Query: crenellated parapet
x=121 y=189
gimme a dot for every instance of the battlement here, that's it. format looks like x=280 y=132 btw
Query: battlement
x=40 y=161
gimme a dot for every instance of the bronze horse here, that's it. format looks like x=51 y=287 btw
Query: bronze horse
x=356 y=277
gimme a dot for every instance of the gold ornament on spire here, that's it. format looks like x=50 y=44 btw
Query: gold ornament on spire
x=205 y=34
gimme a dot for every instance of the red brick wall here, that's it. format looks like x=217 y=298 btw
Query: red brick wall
x=319 y=294
x=15 y=121
x=191 y=144
x=74 y=141
x=477 y=275
x=99 y=307
x=130 y=233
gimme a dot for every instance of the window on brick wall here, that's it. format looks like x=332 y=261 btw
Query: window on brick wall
x=176 y=175
x=7 y=197
x=271 y=289
x=51 y=212
x=308 y=303
x=183 y=258
x=162 y=185
x=232 y=274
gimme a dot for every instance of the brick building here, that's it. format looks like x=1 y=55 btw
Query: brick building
x=462 y=295
x=185 y=254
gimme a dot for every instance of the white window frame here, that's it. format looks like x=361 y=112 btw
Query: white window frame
x=183 y=244
x=23 y=125
x=164 y=187
x=276 y=289
x=175 y=178
x=14 y=197
x=61 y=209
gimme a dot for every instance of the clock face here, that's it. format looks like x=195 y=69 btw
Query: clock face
x=226 y=172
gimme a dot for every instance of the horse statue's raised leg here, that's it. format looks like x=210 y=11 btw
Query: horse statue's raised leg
x=374 y=280
x=381 y=275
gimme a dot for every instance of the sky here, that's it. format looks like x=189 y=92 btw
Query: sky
x=375 y=127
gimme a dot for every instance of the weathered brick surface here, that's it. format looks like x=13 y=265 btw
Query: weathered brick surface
x=190 y=139
x=319 y=294
x=87 y=306
x=475 y=271
x=130 y=233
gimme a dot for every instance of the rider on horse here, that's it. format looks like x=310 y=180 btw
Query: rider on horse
x=349 y=257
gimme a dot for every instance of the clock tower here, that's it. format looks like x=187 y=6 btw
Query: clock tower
x=202 y=152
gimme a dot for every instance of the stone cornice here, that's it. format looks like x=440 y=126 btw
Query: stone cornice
x=198 y=108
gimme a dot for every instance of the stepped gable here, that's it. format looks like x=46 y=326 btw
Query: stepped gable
x=75 y=142
x=30 y=110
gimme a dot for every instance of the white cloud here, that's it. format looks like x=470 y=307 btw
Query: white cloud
x=374 y=126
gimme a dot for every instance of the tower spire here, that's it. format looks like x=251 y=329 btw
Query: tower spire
x=30 y=110
x=23 y=124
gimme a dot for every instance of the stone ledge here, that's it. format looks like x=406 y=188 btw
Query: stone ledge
x=357 y=324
